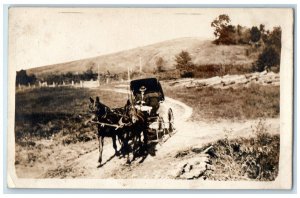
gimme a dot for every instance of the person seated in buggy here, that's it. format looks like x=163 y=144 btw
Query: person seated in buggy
x=148 y=99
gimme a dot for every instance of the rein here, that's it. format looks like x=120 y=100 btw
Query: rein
x=107 y=111
x=107 y=124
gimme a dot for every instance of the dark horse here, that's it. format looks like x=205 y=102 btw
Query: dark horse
x=138 y=126
x=111 y=123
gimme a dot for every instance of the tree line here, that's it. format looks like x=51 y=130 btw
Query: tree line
x=266 y=41
x=270 y=40
x=23 y=78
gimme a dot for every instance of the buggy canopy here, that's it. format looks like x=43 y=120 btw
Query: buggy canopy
x=152 y=85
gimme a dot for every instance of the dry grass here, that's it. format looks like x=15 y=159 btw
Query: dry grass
x=208 y=71
x=252 y=158
x=244 y=103
x=247 y=158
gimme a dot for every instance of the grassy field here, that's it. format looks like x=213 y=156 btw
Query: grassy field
x=49 y=127
x=41 y=113
x=234 y=104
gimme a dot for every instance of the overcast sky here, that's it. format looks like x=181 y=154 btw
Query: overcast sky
x=46 y=36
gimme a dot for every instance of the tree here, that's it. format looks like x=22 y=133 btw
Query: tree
x=184 y=64
x=224 y=32
x=88 y=74
x=270 y=57
x=262 y=28
x=23 y=79
x=267 y=59
x=219 y=24
x=255 y=34
x=243 y=35
x=275 y=38
x=160 y=62
x=228 y=35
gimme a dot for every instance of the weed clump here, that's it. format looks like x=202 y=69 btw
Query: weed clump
x=255 y=158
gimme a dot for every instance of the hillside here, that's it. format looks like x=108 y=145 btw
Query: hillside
x=203 y=52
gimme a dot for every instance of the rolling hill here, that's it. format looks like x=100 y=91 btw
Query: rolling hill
x=203 y=52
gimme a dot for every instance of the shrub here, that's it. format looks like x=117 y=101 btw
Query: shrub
x=255 y=158
x=267 y=59
x=255 y=34
x=160 y=62
x=184 y=64
x=187 y=74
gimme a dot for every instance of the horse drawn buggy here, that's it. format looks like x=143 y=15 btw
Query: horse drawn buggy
x=142 y=117
x=147 y=98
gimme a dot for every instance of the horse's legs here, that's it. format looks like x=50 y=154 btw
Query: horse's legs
x=101 y=141
x=145 y=134
x=126 y=147
x=114 y=140
x=124 y=143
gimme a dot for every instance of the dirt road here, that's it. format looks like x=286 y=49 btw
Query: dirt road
x=162 y=161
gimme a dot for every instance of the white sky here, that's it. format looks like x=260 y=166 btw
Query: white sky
x=43 y=36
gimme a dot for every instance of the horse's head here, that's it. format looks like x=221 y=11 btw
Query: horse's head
x=132 y=113
x=97 y=109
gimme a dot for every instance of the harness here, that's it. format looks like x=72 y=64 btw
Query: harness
x=107 y=124
x=120 y=124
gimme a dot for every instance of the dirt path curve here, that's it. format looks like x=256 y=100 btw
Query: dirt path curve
x=85 y=166
x=163 y=163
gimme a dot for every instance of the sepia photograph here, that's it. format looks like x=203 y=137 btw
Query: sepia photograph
x=150 y=98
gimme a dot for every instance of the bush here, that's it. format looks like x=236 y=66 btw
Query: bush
x=255 y=34
x=23 y=79
x=255 y=158
x=187 y=74
x=184 y=64
x=267 y=59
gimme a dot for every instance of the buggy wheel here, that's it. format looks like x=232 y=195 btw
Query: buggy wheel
x=160 y=132
x=171 y=121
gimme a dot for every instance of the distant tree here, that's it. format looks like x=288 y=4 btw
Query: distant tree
x=184 y=64
x=270 y=57
x=255 y=34
x=262 y=28
x=243 y=35
x=23 y=79
x=267 y=59
x=160 y=62
x=219 y=24
x=32 y=79
x=228 y=36
x=88 y=74
x=183 y=60
x=275 y=38
x=224 y=32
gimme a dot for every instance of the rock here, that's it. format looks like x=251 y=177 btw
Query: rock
x=248 y=76
x=276 y=83
x=201 y=84
x=269 y=81
x=195 y=167
x=263 y=73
